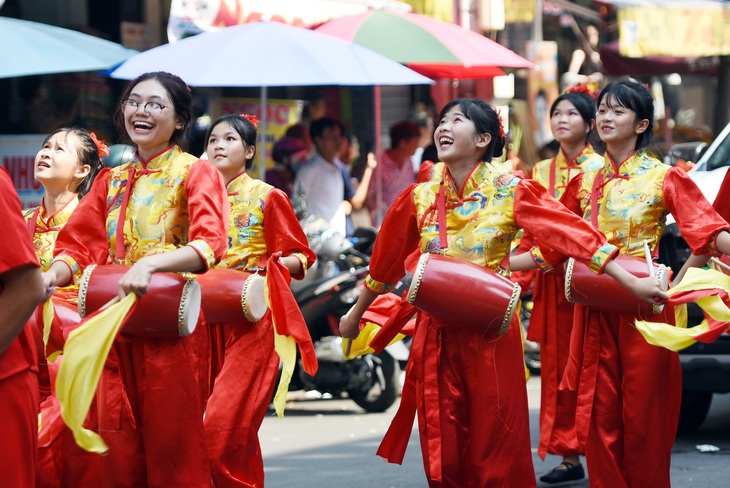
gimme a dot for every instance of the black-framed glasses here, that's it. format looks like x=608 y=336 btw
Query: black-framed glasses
x=130 y=105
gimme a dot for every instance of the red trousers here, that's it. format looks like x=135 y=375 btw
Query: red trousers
x=151 y=408
x=550 y=325
x=61 y=462
x=245 y=366
x=472 y=407
x=628 y=402
x=19 y=427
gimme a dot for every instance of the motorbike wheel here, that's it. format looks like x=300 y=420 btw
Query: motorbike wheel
x=382 y=390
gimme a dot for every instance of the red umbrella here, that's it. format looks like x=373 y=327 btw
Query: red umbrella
x=431 y=47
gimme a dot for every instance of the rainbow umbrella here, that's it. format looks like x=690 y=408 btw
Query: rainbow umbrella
x=431 y=47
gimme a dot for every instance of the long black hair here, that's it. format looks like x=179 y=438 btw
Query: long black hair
x=180 y=96
x=486 y=121
x=583 y=103
x=240 y=124
x=88 y=155
x=633 y=96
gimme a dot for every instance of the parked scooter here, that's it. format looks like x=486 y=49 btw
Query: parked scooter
x=330 y=288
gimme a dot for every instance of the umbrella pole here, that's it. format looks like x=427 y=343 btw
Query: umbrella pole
x=262 y=135
x=379 y=180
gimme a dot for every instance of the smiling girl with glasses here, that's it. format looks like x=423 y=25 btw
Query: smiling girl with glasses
x=164 y=211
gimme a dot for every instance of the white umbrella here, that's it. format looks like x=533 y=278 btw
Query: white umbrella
x=264 y=54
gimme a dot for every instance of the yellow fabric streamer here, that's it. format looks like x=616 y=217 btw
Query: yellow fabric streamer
x=361 y=345
x=85 y=353
x=286 y=348
x=680 y=316
x=678 y=338
x=668 y=336
x=48 y=313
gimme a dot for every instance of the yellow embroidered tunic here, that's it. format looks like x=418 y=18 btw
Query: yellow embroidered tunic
x=170 y=201
x=482 y=218
x=555 y=173
x=633 y=200
x=249 y=236
x=46 y=229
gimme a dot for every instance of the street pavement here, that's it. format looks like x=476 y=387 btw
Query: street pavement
x=322 y=443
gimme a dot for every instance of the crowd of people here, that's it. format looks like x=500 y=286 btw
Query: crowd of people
x=185 y=411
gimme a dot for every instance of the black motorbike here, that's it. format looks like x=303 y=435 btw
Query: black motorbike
x=330 y=288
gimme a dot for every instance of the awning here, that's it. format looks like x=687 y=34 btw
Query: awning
x=660 y=3
x=677 y=28
x=616 y=65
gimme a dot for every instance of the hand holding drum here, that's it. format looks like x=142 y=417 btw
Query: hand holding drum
x=169 y=308
x=603 y=292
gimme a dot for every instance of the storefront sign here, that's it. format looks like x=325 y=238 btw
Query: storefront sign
x=17 y=153
x=519 y=11
x=679 y=32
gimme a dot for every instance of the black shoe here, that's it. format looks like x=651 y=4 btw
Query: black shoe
x=565 y=471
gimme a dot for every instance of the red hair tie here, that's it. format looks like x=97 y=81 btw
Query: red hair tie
x=501 y=130
x=251 y=118
x=100 y=145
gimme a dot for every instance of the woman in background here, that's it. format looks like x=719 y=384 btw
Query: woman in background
x=572 y=119
x=66 y=166
x=262 y=230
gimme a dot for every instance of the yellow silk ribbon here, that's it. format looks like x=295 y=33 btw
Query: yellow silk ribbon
x=48 y=314
x=361 y=344
x=677 y=338
x=85 y=353
x=286 y=348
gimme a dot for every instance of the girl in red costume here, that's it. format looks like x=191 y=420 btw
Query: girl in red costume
x=21 y=291
x=164 y=211
x=470 y=393
x=66 y=166
x=572 y=117
x=263 y=232
x=628 y=390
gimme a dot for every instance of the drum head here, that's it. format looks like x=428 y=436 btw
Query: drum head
x=253 y=300
x=189 y=308
x=417 y=277
x=83 y=289
x=662 y=275
x=567 y=283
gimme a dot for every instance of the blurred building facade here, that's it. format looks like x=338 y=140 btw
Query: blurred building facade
x=578 y=40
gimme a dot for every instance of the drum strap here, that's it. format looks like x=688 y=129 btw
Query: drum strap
x=33 y=222
x=441 y=202
x=120 y=250
x=553 y=171
x=441 y=209
x=597 y=192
